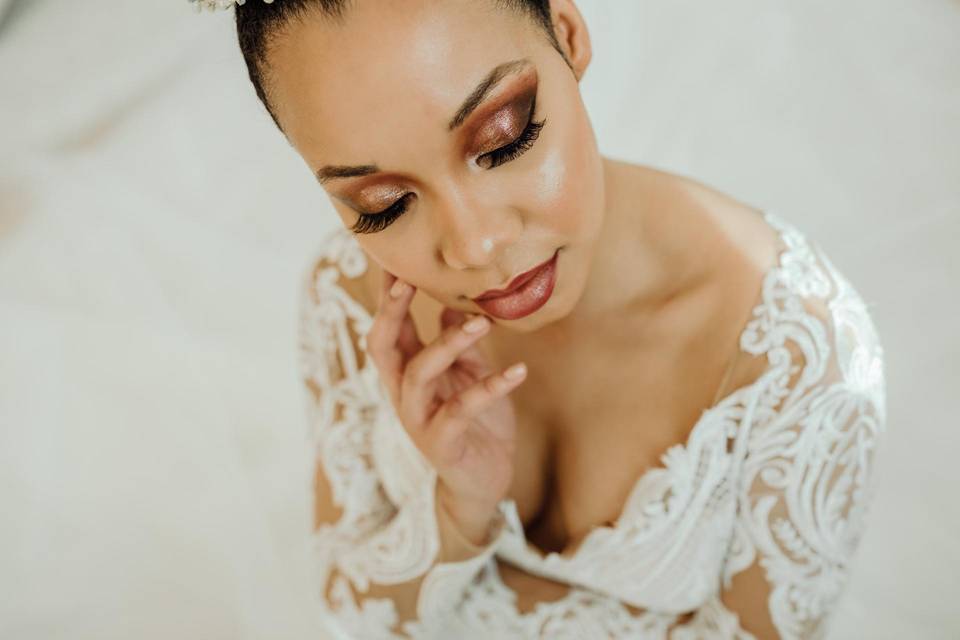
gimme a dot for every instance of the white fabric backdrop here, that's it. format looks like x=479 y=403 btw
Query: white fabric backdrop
x=153 y=227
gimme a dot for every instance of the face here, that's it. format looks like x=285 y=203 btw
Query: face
x=454 y=195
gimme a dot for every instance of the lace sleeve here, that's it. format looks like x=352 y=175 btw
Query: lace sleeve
x=809 y=465
x=381 y=568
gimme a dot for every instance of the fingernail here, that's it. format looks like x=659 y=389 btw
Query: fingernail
x=475 y=324
x=516 y=371
x=398 y=288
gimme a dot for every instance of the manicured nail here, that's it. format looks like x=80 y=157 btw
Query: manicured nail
x=516 y=371
x=475 y=324
x=398 y=289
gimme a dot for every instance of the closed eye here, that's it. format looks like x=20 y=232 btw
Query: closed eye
x=374 y=222
x=519 y=146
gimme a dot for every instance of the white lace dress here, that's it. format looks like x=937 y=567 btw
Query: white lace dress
x=778 y=475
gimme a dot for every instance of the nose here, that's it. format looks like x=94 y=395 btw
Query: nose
x=473 y=233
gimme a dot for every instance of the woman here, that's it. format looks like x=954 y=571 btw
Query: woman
x=685 y=446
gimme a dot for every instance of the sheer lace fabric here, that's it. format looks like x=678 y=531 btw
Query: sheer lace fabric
x=778 y=473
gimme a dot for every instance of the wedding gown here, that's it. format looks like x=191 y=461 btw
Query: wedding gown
x=778 y=473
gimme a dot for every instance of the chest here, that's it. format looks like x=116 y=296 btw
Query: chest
x=597 y=411
x=590 y=426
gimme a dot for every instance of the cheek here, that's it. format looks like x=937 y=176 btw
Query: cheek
x=563 y=189
x=408 y=259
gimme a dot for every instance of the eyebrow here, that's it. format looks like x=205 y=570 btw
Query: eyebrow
x=474 y=100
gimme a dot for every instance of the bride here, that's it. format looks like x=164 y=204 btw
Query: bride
x=553 y=394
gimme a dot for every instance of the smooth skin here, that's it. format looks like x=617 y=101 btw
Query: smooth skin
x=657 y=273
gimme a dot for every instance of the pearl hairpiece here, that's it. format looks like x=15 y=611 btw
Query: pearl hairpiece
x=213 y=5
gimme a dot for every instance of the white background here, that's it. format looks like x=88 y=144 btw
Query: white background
x=154 y=473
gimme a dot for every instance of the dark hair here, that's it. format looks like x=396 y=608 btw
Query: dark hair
x=259 y=23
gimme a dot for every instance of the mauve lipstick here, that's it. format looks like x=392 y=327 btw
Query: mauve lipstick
x=525 y=294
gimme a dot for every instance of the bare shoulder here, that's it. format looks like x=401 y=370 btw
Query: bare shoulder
x=732 y=242
x=715 y=221
x=740 y=223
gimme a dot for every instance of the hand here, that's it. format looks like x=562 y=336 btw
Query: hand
x=450 y=400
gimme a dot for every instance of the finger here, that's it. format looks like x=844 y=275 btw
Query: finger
x=392 y=339
x=408 y=340
x=418 y=383
x=472 y=358
x=383 y=333
x=450 y=317
x=455 y=414
x=386 y=281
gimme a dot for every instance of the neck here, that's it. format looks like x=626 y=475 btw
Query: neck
x=643 y=257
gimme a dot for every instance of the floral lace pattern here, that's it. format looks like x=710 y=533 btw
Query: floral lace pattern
x=779 y=474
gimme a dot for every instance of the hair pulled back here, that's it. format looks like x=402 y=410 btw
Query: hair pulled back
x=260 y=23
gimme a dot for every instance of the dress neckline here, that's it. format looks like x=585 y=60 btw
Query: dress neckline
x=572 y=551
x=784 y=246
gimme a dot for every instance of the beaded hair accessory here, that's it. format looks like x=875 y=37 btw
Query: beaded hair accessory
x=213 y=5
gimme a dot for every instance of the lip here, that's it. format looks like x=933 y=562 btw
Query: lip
x=529 y=291
x=516 y=283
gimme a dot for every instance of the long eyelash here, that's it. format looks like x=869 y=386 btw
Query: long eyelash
x=519 y=146
x=373 y=222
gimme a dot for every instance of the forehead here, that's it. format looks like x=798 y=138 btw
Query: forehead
x=349 y=92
